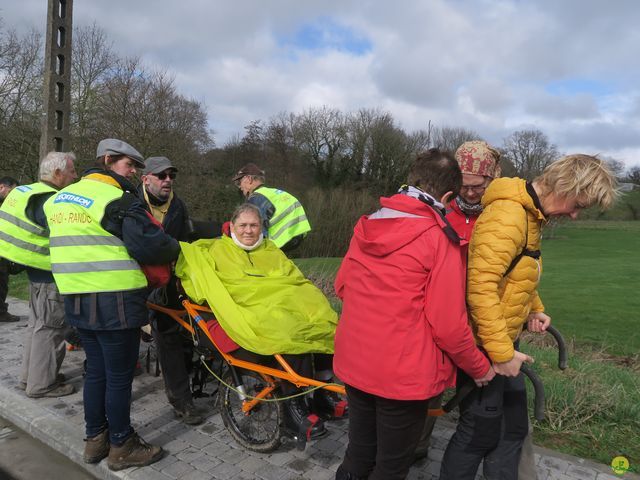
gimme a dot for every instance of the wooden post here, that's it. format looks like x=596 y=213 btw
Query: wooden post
x=57 y=77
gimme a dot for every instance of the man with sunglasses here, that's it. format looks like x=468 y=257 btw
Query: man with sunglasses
x=157 y=189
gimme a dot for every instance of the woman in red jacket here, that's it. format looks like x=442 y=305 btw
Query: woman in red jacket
x=404 y=323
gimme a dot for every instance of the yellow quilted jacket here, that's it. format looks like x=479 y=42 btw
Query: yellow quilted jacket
x=499 y=303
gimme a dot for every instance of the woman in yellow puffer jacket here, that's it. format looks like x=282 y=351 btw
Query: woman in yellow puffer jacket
x=502 y=293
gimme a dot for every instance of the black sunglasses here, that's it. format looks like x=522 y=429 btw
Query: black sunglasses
x=164 y=175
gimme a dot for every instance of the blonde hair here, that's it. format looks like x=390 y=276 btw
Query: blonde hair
x=54 y=161
x=582 y=177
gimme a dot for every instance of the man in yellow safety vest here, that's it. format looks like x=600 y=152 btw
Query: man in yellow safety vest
x=284 y=220
x=24 y=239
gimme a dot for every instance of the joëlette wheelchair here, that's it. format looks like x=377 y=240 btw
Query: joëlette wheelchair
x=249 y=396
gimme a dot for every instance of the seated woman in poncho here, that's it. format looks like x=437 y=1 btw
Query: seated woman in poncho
x=263 y=305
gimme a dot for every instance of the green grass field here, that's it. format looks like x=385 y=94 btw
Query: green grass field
x=590 y=288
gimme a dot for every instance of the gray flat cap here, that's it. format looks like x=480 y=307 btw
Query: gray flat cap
x=113 y=146
x=157 y=165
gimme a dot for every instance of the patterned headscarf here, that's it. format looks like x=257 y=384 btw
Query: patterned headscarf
x=478 y=158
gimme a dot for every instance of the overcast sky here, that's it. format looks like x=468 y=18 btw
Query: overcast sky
x=567 y=67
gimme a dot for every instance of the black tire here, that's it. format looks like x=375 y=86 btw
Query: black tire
x=259 y=430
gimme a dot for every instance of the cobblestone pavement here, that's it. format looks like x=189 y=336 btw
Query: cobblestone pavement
x=207 y=451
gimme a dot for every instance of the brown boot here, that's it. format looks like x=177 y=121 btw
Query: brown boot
x=135 y=452
x=96 y=448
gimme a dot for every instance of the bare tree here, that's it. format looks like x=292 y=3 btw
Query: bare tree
x=529 y=151
x=633 y=174
x=450 y=138
x=20 y=103
x=92 y=61
x=321 y=133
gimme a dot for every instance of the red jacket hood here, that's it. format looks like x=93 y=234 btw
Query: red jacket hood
x=400 y=221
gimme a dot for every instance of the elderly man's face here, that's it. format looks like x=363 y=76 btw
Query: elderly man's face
x=247 y=228
x=67 y=176
x=160 y=184
x=473 y=187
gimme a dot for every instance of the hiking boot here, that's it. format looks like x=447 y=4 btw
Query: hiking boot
x=134 y=452
x=328 y=405
x=61 y=377
x=96 y=448
x=298 y=417
x=7 y=317
x=61 y=390
x=189 y=414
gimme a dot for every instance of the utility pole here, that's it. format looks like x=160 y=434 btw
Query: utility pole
x=57 y=77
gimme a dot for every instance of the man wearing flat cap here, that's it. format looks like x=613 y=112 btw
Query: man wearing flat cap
x=157 y=189
x=284 y=220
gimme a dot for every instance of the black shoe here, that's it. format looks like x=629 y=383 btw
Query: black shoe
x=328 y=405
x=6 y=317
x=189 y=414
x=299 y=419
x=342 y=474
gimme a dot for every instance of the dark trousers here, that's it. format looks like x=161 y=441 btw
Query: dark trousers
x=383 y=435
x=4 y=284
x=111 y=362
x=173 y=351
x=492 y=426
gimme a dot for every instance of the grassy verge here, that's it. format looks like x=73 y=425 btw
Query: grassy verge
x=19 y=286
x=593 y=407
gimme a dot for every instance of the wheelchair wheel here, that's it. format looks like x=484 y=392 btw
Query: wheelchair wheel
x=259 y=429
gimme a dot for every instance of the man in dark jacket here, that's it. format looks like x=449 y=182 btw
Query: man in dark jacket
x=6 y=185
x=171 y=212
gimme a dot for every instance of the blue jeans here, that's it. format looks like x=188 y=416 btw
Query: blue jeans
x=111 y=362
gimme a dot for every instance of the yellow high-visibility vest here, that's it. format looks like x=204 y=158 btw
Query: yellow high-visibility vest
x=85 y=258
x=22 y=240
x=289 y=219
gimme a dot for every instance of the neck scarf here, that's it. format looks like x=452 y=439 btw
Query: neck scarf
x=248 y=248
x=469 y=208
x=421 y=195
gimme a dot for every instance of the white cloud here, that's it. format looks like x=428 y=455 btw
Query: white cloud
x=568 y=68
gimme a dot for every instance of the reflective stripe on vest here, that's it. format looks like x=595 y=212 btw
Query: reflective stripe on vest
x=289 y=219
x=85 y=258
x=21 y=240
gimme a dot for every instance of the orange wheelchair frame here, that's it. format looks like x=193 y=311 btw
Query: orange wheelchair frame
x=241 y=411
x=238 y=406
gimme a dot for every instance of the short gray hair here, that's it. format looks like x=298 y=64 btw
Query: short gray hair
x=54 y=161
x=245 y=208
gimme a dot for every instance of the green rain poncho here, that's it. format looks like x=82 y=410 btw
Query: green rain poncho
x=261 y=299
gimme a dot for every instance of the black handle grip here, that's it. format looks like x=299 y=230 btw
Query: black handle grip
x=461 y=393
x=562 y=346
x=538 y=387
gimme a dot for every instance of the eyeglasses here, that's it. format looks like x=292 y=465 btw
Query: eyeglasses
x=473 y=188
x=164 y=175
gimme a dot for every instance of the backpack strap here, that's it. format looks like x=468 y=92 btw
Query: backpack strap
x=525 y=252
